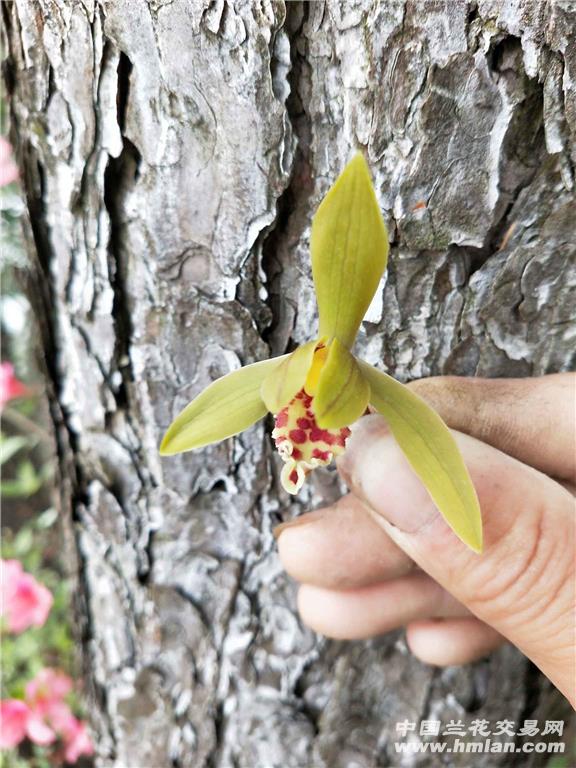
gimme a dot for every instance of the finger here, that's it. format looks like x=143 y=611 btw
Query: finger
x=523 y=583
x=368 y=611
x=530 y=419
x=340 y=547
x=451 y=641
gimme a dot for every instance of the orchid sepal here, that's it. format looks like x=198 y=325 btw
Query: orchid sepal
x=431 y=451
x=349 y=250
x=226 y=407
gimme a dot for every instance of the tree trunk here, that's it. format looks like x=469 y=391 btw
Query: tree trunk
x=173 y=153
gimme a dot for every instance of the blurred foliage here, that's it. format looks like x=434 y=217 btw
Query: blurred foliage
x=32 y=756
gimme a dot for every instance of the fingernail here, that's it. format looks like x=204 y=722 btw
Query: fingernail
x=376 y=470
x=358 y=429
x=310 y=517
x=350 y=462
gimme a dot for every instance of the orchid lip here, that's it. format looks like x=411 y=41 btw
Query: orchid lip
x=301 y=443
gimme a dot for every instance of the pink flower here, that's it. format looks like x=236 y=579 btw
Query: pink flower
x=45 y=698
x=8 y=168
x=18 y=721
x=10 y=386
x=45 y=716
x=13 y=721
x=37 y=730
x=47 y=689
x=76 y=740
x=25 y=602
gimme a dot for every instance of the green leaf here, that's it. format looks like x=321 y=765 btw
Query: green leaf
x=343 y=392
x=23 y=542
x=288 y=378
x=26 y=483
x=47 y=518
x=349 y=246
x=432 y=452
x=225 y=408
x=9 y=446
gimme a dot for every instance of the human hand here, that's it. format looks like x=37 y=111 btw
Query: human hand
x=383 y=557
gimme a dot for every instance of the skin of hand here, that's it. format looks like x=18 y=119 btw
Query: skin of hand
x=383 y=558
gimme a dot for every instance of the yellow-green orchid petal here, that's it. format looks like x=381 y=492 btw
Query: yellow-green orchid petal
x=288 y=378
x=432 y=452
x=343 y=392
x=225 y=408
x=349 y=247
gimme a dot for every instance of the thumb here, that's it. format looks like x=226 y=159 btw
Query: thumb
x=523 y=582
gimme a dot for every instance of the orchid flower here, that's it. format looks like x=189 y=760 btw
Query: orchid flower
x=318 y=390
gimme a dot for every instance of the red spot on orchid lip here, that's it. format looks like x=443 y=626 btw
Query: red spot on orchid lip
x=282 y=418
x=322 y=455
x=294 y=476
x=296 y=454
x=322 y=435
x=304 y=423
x=297 y=435
x=343 y=436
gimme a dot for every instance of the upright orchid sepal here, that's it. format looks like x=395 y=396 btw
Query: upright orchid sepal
x=318 y=390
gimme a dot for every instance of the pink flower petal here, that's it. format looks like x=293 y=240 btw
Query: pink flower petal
x=59 y=714
x=10 y=573
x=38 y=731
x=77 y=741
x=13 y=721
x=25 y=602
x=10 y=386
x=48 y=685
x=8 y=168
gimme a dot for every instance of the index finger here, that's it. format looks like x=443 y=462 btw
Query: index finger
x=533 y=420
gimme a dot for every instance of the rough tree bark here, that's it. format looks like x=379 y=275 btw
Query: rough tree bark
x=173 y=152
